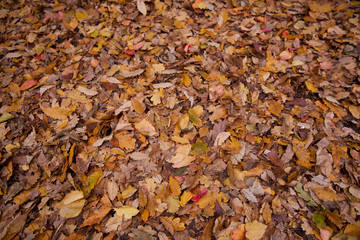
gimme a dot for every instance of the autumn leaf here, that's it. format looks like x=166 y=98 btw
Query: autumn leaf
x=93 y=179
x=141 y=7
x=327 y=195
x=199 y=148
x=275 y=107
x=72 y=204
x=5 y=116
x=126 y=211
x=146 y=128
x=255 y=230
x=174 y=187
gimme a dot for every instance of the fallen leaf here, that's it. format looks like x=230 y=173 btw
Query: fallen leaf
x=141 y=7
x=146 y=128
x=126 y=211
x=255 y=230
x=327 y=195
x=72 y=204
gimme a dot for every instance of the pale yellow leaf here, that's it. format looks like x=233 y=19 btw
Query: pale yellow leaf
x=126 y=211
x=255 y=230
x=55 y=113
x=128 y=192
x=141 y=7
x=146 y=128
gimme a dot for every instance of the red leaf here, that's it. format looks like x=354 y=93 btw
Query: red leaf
x=130 y=52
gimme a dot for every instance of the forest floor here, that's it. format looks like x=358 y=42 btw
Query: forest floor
x=195 y=119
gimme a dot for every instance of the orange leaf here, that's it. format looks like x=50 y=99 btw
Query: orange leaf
x=28 y=84
x=239 y=233
x=174 y=187
x=275 y=107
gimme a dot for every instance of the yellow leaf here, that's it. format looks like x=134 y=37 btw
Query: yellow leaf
x=16 y=105
x=172 y=224
x=126 y=212
x=185 y=197
x=81 y=15
x=128 y=192
x=219 y=112
x=327 y=195
x=355 y=111
x=72 y=204
x=105 y=32
x=124 y=141
x=267 y=213
x=55 y=113
x=72 y=209
x=301 y=153
x=181 y=158
x=146 y=128
x=158 y=67
x=183 y=121
x=179 y=24
x=179 y=139
x=353 y=229
x=275 y=107
x=210 y=198
x=173 y=204
x=174 y=187
x=185 y=79
x=156 y=98
x=233 y=145
x=337 y=110
x=255 y=230
x=311 y=86
x=316 y=7
x=138 y=107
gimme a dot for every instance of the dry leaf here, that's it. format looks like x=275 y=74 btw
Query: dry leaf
x=141 y=7
x=255 y=230
x=72 y=204
x=126 y=211
x=146 y=128
x=327 y=195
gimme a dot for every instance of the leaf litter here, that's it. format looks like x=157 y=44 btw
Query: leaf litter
x=179 y=120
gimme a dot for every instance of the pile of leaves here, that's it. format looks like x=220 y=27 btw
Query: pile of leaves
x=179 y=119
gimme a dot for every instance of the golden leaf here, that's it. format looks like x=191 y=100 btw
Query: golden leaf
x=128 y=192
x=124 y=141
x=138 y=107
x=72 y=204
x=255 y=230
x=327 y=195
x=81 y=15
x=146 y=128
x=185 y=197
x=55 y=113
x=355 y=111
x=126 y=211
x=275 y=107
x=174 y=187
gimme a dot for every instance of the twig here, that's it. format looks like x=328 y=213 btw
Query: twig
x=100 y=87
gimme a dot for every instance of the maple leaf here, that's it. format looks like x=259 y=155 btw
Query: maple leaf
x=199 y=148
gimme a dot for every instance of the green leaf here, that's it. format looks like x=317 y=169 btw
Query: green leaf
x=319 y=219
x=194 y=118
x=5 y=117
x=304 y=194
x=94 y=179
x=199 y=148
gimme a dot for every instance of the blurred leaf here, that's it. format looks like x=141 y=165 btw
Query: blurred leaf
x=199 y=148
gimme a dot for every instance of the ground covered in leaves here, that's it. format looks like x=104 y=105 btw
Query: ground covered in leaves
x=179 y=119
